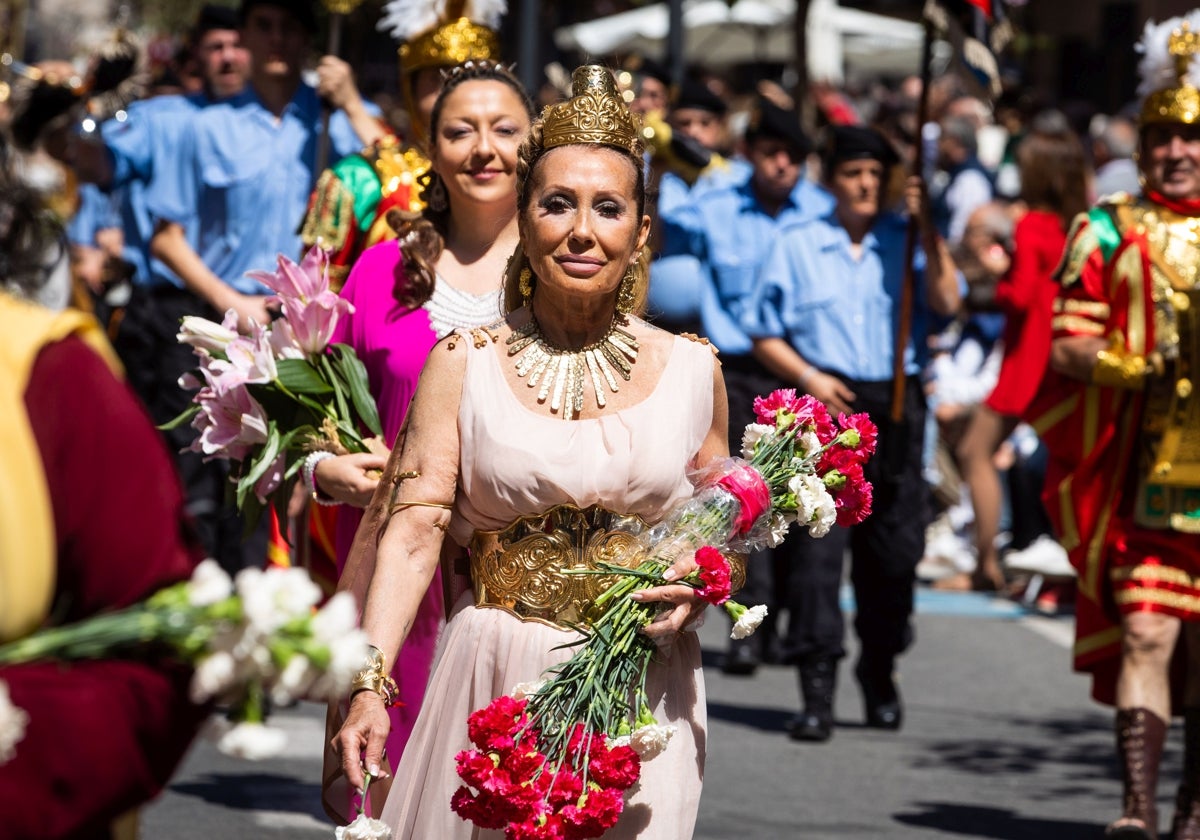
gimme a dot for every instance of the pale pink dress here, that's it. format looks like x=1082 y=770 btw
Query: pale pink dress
x=516 y=462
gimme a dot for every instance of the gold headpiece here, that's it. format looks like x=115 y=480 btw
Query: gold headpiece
x=1168 y=78
x=596 y=114
x=442 y=33
x=455 y=42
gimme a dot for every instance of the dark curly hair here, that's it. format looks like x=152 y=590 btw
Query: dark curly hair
x=31 y=238
x=422 y=236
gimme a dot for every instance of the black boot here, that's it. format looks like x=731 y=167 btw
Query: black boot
x=1186 y=825
x=742 y=658
x=1140 y=738
x=818 y=679
x=881 y=700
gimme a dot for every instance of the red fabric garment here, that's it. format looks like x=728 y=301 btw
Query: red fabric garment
x=1091 y=434
x=105 y=736
x=1026 y=294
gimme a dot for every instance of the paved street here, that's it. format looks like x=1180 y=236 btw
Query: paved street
x=1000 y=742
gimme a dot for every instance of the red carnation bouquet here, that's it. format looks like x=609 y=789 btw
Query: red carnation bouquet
x=553 y=760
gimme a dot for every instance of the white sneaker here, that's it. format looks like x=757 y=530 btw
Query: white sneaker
x=1044 y=556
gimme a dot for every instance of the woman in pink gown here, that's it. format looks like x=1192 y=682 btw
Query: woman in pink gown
x=485 y=455
x=442 y=272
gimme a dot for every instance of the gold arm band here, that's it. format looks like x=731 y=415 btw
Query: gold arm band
x=374 y=677
x=399 y=506
x=737 y=571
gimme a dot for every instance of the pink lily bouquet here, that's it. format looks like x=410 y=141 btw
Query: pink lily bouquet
x=553 y=760
x=267 y=399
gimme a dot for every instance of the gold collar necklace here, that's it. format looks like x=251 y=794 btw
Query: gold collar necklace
x=566 y=372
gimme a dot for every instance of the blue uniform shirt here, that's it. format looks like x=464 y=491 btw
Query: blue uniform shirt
x=839 y=313
x=244 y=179
x=144 y=150
x=730 y=233
x=95 y=213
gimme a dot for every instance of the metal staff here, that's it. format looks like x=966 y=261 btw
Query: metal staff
x=338 y=9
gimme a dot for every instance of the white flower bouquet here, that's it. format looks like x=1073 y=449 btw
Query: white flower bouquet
x=256 y=637
x=267 y=399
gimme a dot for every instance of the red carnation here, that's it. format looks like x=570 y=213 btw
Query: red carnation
x=860 y=427
x=714 y=575
x=853 y=500
x=837 y=458
x=597 y=812
x=614 y=767
x=812 y=416
x=470 y=807
x=766 y=408
x=495 y=727
x=537 y=829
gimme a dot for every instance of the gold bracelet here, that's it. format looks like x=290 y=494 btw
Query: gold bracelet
x=374 y=677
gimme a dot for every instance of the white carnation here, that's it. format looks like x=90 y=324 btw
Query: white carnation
x=363 y=828
x=825 y=515
x=252 y=741
x=778 y=525
x=272 y=598
x=294 y=681
x=527 y=689
x=753 y=434
x=209 y=584
x=214 y=675
x=815 y=507
x=810 y=443
x=338 y=617
x=748 y=623
x=13 y=721
x=650 y=740
x=346 y=657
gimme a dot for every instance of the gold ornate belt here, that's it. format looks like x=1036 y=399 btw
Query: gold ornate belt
x=521 y=568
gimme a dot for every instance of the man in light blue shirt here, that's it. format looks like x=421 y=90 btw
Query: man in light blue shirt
x=247 y=167
x=824 y=319
x=231 y=200
x=727 y=232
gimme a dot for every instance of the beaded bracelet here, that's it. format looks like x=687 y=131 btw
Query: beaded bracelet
x=310 y=480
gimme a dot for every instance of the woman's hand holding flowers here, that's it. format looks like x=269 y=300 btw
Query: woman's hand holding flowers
x=361 y=739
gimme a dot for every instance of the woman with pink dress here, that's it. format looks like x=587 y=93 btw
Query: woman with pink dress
x=493 y=463
x=442 y=272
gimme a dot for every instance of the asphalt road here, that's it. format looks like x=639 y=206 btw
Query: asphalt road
x=1000 y=741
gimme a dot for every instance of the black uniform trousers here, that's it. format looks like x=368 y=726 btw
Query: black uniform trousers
x=154 y=361
x=884 y=549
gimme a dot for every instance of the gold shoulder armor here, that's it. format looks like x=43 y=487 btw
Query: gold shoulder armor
x=699 y=340
x=1082 y=241
x=399 y=168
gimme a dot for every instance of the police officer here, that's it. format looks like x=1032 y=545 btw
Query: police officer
x=823 y=319
x=727 y=232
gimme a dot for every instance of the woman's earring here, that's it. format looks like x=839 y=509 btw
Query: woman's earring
x=525 y=284
x=625 y=300
x=437 y=195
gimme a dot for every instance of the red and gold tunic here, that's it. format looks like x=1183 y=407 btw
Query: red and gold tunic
x=1122 y=485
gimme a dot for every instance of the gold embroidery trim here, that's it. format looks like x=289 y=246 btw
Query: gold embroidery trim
x=1146 y=572
x=1090 y=308
x=1162 y=597
x=1076 y=325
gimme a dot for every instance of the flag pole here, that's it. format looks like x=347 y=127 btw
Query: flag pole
x=904 y=327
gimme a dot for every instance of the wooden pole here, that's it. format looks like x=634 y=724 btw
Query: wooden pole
x=904 y=327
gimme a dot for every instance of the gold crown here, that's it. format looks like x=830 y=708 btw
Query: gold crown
x=451 y=43
x=595 y=113
x=1181 y=103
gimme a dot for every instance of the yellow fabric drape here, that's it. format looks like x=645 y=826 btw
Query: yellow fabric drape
x=27 y=539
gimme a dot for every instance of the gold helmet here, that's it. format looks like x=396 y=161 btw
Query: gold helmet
x=442 y=33
x=1170 y=70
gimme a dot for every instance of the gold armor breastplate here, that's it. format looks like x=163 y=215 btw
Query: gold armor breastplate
x=520 y=569
x=1169 y=495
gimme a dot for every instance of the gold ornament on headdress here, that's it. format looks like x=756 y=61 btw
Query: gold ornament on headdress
x=456 y=42
x=596 y=114
x=1180 y=103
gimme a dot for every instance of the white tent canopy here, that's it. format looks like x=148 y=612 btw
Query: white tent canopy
x=839 y=41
